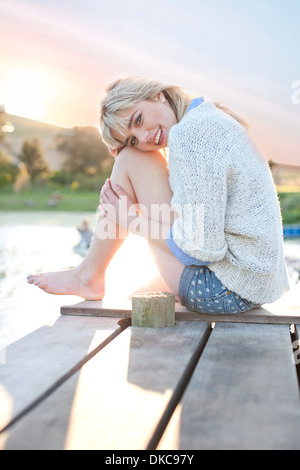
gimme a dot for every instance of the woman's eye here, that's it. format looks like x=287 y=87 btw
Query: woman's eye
x=133 y=141
x=138 y=120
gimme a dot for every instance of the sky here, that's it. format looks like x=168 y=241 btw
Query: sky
x=57 y=57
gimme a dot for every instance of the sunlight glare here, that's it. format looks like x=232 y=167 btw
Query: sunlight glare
x=29 y=89
x=6 y=414
x=131 y=268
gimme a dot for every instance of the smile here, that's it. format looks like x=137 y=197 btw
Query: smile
x=158 y=136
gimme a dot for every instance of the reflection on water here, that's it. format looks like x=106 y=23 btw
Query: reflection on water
x=40 y=242
x=33 y=242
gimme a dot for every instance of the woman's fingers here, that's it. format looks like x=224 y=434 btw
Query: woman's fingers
x=115 y=203
x=108 y=190
x=118 y=190
x=109 y=196
x=108 y=201
x=104 y=189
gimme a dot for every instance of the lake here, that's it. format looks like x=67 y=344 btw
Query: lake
x=32 y=242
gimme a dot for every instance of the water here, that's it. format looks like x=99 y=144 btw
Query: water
x=40 y=242
x=34 y=242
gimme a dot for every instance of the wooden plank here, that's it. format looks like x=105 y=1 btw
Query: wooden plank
x=276 y=313
x=98 y=308
x=243 y=394
x=40 y=361
x=115 y=401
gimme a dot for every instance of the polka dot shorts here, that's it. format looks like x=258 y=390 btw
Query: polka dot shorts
x=201 y=291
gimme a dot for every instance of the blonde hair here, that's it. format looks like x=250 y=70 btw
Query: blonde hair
x=125 y=93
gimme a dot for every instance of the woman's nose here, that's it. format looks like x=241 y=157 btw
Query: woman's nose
x=143 y=136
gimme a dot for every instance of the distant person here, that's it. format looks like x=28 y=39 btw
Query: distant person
x=86 y=233
x=222 y=252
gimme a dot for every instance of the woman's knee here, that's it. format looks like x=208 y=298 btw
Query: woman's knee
x=121 y=171
x=145 y=174
x=131 y=159
x=124 y=163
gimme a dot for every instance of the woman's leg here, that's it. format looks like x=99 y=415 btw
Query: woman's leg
x=145 y=178
x=86 y=280
x=147 y=183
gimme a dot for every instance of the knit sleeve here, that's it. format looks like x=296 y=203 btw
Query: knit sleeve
x=200 y=188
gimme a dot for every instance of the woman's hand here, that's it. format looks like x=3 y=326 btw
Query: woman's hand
x=116 y=205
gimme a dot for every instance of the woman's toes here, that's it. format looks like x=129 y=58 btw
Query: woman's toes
x=34 y=279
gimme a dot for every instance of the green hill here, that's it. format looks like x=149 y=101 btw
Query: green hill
x=24 y=127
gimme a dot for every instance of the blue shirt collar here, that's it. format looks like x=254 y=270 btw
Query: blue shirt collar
x=195 y=102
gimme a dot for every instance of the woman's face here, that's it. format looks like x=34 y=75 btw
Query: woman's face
x=149 y=123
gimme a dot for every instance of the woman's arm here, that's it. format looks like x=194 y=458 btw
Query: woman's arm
x=199 y=169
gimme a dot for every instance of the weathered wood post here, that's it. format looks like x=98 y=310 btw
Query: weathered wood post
x=153 y=309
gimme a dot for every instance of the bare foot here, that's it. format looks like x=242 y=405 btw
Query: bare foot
x=72 y=282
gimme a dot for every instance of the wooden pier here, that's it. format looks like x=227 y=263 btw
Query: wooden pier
x=92 y=381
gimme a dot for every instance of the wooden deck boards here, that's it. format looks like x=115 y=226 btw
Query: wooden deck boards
x=270 y=313
x=91 y=381
x=116 y=399
x=40 y=361
x=244 y=392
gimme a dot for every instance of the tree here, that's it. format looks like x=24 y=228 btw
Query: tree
x=8 y=171
x=22 y=179
x=86 y=153
x=33 y=158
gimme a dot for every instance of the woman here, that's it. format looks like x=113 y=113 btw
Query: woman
x=219 y=247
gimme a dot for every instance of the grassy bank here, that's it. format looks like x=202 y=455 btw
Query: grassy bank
x=67 y=199
x=49 y=199
x=290 y=207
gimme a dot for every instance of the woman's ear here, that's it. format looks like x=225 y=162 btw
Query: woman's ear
x=162 y=97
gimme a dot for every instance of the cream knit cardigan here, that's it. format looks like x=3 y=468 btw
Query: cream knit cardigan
x=229 y=215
